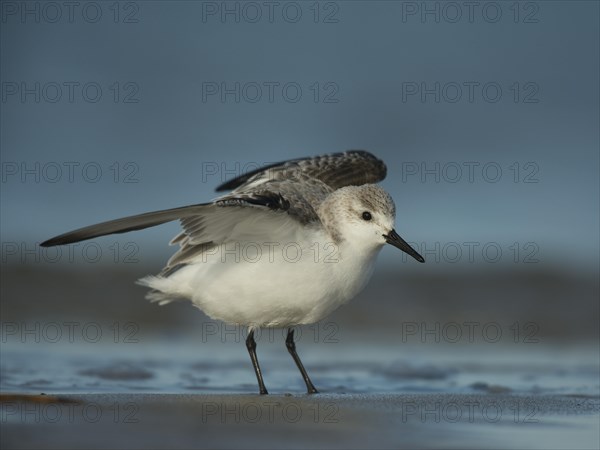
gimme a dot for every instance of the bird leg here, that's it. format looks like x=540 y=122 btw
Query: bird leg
x=251 y=346
x=291 y=346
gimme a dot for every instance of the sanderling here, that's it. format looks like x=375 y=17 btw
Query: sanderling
x=287 y=246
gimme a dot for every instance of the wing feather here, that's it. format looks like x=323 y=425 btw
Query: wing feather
x=351 y=168
x=266 y=203
x=124 y=224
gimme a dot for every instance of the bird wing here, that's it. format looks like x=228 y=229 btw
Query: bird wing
x=275 y=199
x=254 y=215
x=223 y=223
x=260 y=216
x=125 y=224
x=350 y=168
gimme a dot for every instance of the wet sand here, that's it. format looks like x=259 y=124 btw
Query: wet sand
x=299 y=421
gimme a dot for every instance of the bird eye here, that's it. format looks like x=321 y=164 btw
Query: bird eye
x=366 y=215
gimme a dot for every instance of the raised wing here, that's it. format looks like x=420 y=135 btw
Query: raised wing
x=351 y=168
x=267 y=204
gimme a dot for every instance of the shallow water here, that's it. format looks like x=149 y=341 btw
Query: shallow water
x=186 y=391
x=352 y=366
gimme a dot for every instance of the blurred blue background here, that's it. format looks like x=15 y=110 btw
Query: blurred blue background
x=146 y=107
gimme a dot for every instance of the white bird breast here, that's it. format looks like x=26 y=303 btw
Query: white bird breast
x=273 y=283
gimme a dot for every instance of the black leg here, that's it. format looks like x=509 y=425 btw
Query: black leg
x=251 y=346
x=291 y=346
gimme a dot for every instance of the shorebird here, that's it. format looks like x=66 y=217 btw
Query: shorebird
x=290 y=243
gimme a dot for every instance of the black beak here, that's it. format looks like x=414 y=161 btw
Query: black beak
x=395 y=240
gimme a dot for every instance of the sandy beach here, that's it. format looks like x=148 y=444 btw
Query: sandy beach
x=299 y=421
